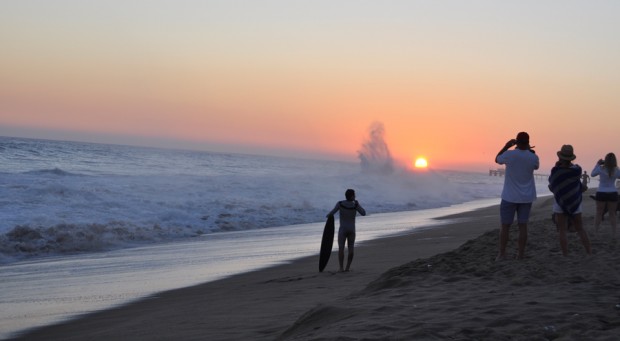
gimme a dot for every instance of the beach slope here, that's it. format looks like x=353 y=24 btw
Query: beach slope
x=442 y=283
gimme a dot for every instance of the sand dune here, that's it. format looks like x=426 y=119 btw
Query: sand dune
x=466 y=295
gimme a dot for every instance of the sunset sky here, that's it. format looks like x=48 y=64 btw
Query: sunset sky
x=449 y=80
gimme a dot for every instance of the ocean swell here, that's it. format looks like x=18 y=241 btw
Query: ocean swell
x=53 y=171
x=72 y=238
x=84 y=214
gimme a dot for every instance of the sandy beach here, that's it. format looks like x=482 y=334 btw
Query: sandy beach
x=438 y=284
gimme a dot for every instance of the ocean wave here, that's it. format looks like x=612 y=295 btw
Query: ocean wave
x=59 y=214
x=52 y=171
x=26 y=241
x=100 y=197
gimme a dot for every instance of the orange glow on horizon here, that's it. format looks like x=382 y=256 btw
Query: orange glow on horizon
x=303 y=89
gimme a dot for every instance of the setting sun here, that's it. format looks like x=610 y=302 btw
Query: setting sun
x=421 y=163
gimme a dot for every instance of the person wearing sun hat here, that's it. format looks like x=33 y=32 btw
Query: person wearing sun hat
x=567 y=185
x=519 y=190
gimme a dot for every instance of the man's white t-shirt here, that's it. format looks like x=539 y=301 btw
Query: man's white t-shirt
x=519 y=185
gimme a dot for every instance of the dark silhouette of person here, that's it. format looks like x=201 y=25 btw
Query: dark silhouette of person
x=346 y=233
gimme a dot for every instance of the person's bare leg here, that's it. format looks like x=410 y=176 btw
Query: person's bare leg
x=562 y=220
x=600 y=208
x=611 y=207
x=522 y=240
x=583 y=234
x=503 y=241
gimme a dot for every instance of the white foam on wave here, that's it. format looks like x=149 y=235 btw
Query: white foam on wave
x=50 y=212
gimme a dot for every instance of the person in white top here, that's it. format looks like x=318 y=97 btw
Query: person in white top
x=519 y=190
x=606 y=194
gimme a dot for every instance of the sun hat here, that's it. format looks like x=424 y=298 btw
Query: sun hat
x=566 y=153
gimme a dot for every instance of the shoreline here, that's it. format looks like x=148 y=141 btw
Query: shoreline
x=34 y=295
x=295 y=301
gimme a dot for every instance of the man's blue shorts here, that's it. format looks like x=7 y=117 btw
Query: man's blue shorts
x=508 y=209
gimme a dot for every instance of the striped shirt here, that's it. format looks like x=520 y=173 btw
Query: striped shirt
x=565 y=184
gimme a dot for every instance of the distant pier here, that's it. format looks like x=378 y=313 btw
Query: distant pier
x=502 y=172
x=497 y=172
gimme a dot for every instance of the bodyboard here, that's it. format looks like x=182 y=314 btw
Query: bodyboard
x=326 y=243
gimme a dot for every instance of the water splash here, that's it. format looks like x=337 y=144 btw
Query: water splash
x=375 y=156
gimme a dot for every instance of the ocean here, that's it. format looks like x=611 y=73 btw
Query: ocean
x=87 y=226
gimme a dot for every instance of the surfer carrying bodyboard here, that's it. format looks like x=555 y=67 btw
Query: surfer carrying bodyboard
x=348 y=210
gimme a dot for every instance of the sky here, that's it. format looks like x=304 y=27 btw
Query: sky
x=448 y=80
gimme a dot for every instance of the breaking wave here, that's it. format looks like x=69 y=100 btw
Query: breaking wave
x=85 y=206
x=374 y=155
